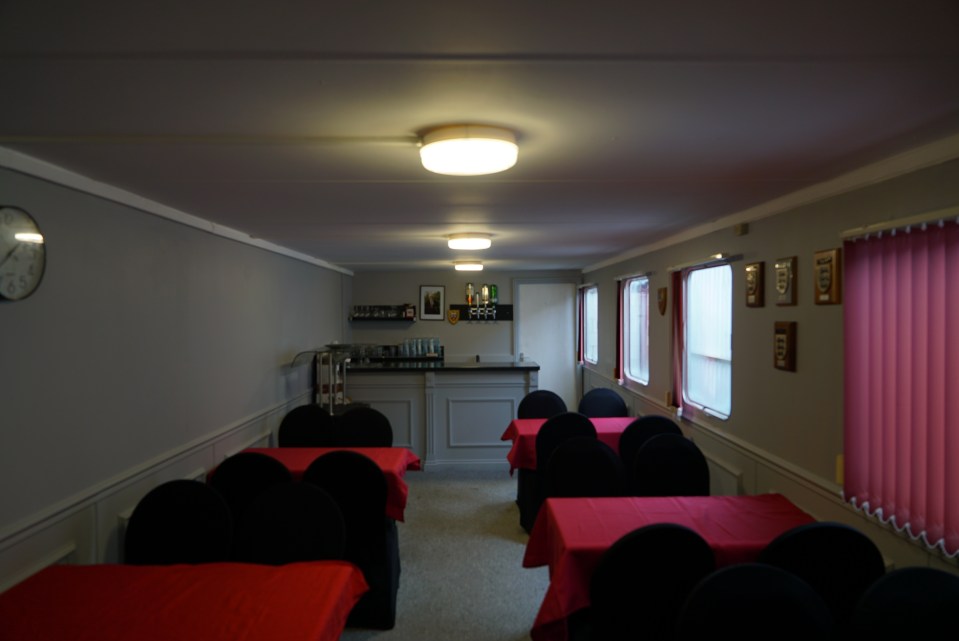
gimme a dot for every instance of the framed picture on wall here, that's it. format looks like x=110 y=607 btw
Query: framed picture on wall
x=432 y=302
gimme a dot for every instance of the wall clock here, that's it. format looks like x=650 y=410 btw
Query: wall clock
x=23 y=254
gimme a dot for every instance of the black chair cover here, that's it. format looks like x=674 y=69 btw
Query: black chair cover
x=602 y=402
x=359 y=487
x=180 y=521
x=307 y=426
x=836 y=560
x=754 y=602
x=540 y=404
x=364 y=426
x=641 y=430
x=584 y=466
x=643 y=579
x=670 y=465
x=288 y=523
x=554 y=431
x=242 y=476
x=908 y=603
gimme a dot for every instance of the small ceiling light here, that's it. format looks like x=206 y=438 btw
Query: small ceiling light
x=469 y=241
x=468 y=150
x=468 y=266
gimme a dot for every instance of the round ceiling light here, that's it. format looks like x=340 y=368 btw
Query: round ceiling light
x=468 y=150
x=468 y=266
x=469 y=241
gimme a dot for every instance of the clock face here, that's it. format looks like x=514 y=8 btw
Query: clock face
x=22 y=254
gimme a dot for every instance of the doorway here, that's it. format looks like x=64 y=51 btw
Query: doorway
x=546 y=334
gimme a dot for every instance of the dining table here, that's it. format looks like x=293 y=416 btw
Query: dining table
x=522 y=432
x=570 y=536
x=307 y=601
x=394 y=461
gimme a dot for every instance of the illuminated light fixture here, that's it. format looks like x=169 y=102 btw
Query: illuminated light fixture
x=468 y=266
x=469 y=241
x=29 y=237
x=468 y=150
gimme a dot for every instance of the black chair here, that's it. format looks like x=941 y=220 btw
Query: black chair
x=584 y=466
x=907 y=603
x=288 y=523
x=602 y=402
x=540 y=403
x=554 y=431
x=641 y=430
x=358 y=486
x=364 y=426
x=670 y=465
x=307 y=426
x=240 y=477
x=180 y=521
x=642 y=581
x=837 y=560
x=753 y=602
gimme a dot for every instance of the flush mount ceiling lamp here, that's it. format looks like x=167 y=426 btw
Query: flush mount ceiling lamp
x=469 y=241
x=468 y=150
x=468 y=266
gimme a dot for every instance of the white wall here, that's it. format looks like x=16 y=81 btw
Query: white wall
x=785 y=431
x=148 y=343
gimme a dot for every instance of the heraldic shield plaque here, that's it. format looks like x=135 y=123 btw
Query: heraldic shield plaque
x=754 y=284
x=785 y=272
x=827 y=265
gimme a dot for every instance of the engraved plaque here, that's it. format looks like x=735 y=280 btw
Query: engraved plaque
x=828 y=267
x=785 y=272
x=754 y=284
x=784 y=345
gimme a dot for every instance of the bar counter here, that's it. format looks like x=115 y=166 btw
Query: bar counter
x=444 y=411
x=440 y=366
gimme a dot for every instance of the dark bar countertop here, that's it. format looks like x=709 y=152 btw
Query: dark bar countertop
x=409 y=366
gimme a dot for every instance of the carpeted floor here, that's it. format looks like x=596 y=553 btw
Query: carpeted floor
x=461 y=549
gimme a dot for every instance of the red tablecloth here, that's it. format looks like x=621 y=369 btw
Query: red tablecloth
x=394 y=461
x=571 y=534
x=522 y=431
x=206 y=602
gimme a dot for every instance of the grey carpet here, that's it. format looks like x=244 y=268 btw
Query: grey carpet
x=461 y=549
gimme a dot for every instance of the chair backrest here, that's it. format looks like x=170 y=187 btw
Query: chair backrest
x=557 y=429
x=837 y=560
x=641 y=430
x=358 y=486
x=643 y=579
x=910 y=602
x=753 y=602
x=179 y=521
x=307 y=426
x=541 y=403
x=288 y=523
x=364 y=426
x=240 y=477
x=584 y=466
x=602 y=402
x=670 y=465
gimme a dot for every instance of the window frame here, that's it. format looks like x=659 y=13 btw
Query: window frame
x=629 y=340
x=709 y=406
x=590 y=298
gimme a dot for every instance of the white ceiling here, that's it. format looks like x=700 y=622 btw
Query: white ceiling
x=296 y=121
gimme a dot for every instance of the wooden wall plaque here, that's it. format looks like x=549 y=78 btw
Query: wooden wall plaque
x=784 y=345
x=828 y=276
x=755 y=287
x=785 y=282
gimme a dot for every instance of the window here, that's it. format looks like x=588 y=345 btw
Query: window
x=707 y=370
x=590 y=322
x=636 y=325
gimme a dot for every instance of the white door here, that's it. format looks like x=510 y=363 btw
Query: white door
x=546 y=334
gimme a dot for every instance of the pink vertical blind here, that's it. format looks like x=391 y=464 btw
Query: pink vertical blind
x=901 y=335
